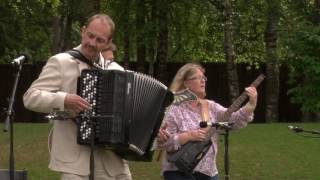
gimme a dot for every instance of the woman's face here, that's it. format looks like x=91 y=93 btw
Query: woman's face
x=197 y=83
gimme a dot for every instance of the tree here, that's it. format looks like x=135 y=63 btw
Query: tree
x=162 y=49
x=232 y=75
x=140 y=30
x=126 y=37
x=67 y=23
x=23 y=29
x=303 y=43
x=272 y=63
x=150 y=38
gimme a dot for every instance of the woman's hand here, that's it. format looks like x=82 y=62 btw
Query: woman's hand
x=163 y=135
x=253 y=98
x=198 y=134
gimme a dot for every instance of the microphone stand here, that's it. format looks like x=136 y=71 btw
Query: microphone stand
x=9 y=122
x=92 y=139
x=310 y=131
x=299 y=130
x=226 y=154
x=226 y=127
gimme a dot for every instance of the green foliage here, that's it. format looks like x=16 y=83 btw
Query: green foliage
x=196 y=30
x=194 y=37
x=249 y=28
x=25 y=26
x=304 y=61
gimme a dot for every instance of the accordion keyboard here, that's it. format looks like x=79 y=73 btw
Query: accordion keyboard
x=89 y=93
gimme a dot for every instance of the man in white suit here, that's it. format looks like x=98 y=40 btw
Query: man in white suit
x=55 y=89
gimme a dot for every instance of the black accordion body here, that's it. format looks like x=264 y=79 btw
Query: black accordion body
x=126 y=112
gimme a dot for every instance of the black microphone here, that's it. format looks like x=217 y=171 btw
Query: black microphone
x=24 y=57
x=226 y=125
x=295 y=128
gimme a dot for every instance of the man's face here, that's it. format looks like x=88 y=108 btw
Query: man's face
x=95 y=37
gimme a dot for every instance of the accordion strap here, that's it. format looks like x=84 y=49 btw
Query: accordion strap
x=78 y=55
x=204 y=110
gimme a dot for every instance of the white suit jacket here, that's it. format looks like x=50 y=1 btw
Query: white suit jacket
x=47 y=93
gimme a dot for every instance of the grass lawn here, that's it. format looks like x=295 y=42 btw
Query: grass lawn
x=258 y=152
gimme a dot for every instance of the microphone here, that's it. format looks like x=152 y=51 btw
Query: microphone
x=24 y=57
x=225 y=125
x=295 y=128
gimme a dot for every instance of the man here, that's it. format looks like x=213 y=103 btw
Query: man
x=55 y=89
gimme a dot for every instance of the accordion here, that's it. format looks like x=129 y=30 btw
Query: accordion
x=126 y=112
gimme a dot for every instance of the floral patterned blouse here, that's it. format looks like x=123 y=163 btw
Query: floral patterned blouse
x=182 y=118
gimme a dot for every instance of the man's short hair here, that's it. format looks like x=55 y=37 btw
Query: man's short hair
x=103 y=17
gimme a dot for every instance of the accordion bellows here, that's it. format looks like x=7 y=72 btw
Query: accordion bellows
x=126 y=112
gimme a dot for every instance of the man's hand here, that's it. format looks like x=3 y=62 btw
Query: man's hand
x=76 y=103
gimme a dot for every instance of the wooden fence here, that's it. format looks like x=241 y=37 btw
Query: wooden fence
x=216 y=90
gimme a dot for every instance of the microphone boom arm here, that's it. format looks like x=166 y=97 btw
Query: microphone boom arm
x=297 y=129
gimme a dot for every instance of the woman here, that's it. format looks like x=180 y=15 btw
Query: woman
x=181 y=123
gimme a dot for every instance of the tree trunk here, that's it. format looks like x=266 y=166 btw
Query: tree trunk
x=232 y=75
x=126 y=34
x=140 y=26
x=162 y=50
x=63 y=25
x=316 y=12
x=151 y=39
x=63 y=28
x=55 y=35
x=71 y=11
x=96 y=6
x=272 y=65
x=67 y=35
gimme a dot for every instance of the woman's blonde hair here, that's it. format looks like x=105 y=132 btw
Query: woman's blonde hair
x=184 y=73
